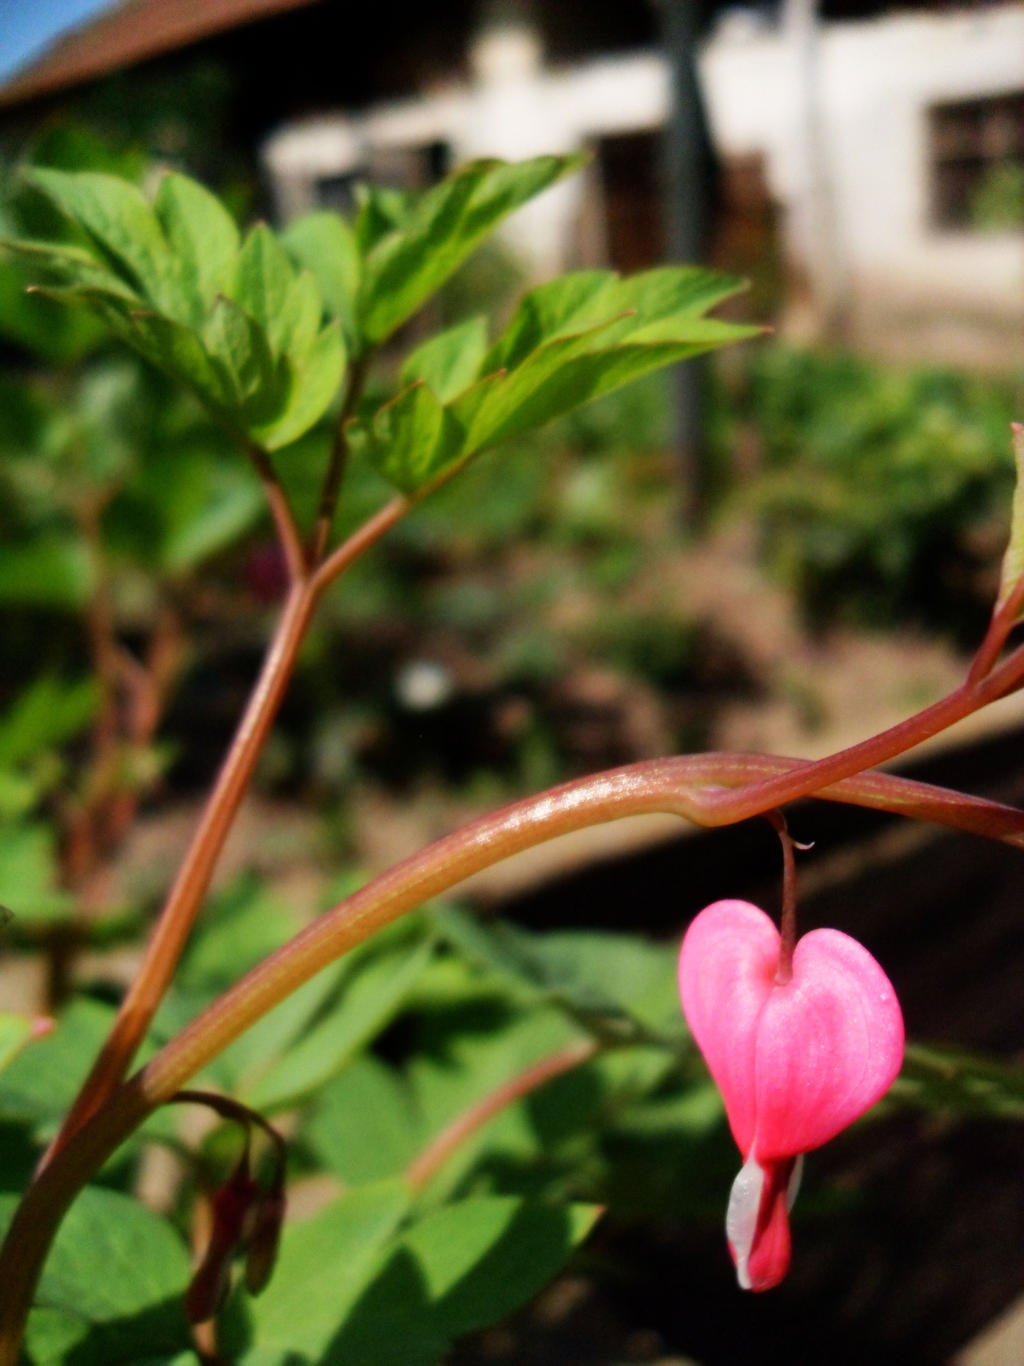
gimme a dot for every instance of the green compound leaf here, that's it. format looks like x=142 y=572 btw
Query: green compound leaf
x=235 y=323
x=267 y=289
x=15 y=1032
x=483 y=1257
x=412 y=440
x=365 y=1125
x=145 y=1261
x=620 y=988
x=53 y=570
x=41 y=1083
x=29 y=875
x=569 y=342
x=370 y=999
x=307 y=389
x=406 y=266
x=44 y=714
x=241 y=349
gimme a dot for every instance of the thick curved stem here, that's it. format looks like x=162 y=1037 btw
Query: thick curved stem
x=688 y=787
x=819 y=774
x=185 y=897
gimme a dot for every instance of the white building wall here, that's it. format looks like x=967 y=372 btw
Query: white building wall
x=874 y=82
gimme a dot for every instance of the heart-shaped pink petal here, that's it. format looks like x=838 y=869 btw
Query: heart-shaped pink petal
x=795 y=1062
x=726 y=973
x=829 y=1044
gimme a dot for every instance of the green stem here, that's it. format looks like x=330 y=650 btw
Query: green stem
x=336 y=463
x=425 y=1166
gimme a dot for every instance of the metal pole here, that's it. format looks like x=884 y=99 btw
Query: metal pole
x=689 y=177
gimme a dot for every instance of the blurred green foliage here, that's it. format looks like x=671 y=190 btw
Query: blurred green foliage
x=882 y=493
x=997 y=202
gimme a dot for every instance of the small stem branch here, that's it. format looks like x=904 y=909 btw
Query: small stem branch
x=752 y=800
x=336 y=464
x=1004 y=617
x=280 y=510
x=340 y=559
x=232 y=1110
x=437 y=1152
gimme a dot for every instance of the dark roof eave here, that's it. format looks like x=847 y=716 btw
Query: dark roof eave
x=127 y=34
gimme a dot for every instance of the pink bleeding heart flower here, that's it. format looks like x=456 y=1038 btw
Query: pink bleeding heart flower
x=797 y=1058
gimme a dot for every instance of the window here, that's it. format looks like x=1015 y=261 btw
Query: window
x=977 y=163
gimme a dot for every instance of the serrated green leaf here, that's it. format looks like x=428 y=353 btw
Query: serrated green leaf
x=408 y=265
x=76 y=267
x=569 y=372
x=119 y=219
x=202 y=234
x=561 y=307
x=178 y=352
x=449 y=362
x=299 y=322
x=55 y=334
x=380 y=210
x=569 y=342
x=325 y=245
